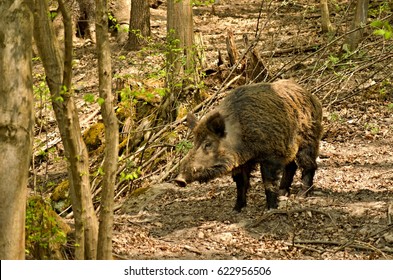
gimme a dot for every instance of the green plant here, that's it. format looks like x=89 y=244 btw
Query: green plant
x=333 y=59
x=373 y=128
x=113 y=24
x=380 y=9
x=385 y=88
x=183 y=146
x=131 y=174
x=382 y=28
x=202 y=2
x=89 y=98
x=41 y=90
x=45 y=231
x=335 y=117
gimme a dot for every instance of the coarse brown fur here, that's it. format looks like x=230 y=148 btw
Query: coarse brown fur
x=275 y=124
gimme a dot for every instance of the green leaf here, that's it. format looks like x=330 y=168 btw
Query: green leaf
x=100 y=171
x=379 y=32
x=100 y=101
x=89 y=98
x=334 y=59
x=377 y=24
x=59 y=99
x=388 y=35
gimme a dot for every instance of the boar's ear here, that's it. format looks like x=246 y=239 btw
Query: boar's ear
x=191 y=120
x=216 y=124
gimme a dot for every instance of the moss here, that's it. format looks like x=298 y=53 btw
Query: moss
x=94 y=136
x=46 y=232
x=61 y=191
x=139 y=191
x=61 y=196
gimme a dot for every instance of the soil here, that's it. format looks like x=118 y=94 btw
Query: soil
x=346 y=215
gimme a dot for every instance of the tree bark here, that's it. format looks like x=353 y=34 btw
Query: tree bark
x=180 y=57
x=59 y=82
x=180 y=32
x=390 y=213
x=104 y=250
x=16 y=123
x=359 y=21
x=139 y=24
x=120 y=9
x=326 y=25
x=86 y=18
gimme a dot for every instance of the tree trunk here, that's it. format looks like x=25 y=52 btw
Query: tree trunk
x=139 y=24
x=16 y=123
x=180 y=34
x=59 y=82
x=85 y=19
x=180 y=58
x=390 y=213
x=104 y=250
x=359 y=21
x=325 y=18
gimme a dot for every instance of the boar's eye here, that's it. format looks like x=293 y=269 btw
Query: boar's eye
x=207 y=146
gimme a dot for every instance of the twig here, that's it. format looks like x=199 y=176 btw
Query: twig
x=289 y=212
x=301 y=49
x=389 y=227
x=304 y=247
x=360 y=245
x=380 y=174
x=192 y=249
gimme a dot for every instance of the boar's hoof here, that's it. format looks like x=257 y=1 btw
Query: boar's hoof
x=272 y=200
x=304 y=191
x=283 y=192
x=238 y=207
x=180 y=181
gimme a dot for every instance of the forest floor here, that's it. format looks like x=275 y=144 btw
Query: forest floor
x=346 y=215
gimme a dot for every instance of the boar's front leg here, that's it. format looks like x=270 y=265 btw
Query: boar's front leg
x=241 y=176
x=306 y=159
x=270 y=176
x=287 y=178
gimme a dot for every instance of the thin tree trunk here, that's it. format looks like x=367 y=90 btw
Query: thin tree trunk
x=86 y=16
x=180 y=64
x=59 y=82
x=326 y=25
x=139 y=24
x=16 y=123
x=360 y=20
x=390 y=213
x=104 y=250
x=180 y=29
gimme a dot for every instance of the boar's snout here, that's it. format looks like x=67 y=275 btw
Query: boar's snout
x=180 y=181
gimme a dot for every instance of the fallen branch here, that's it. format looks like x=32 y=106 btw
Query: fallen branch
x=192 y=249
x=290 y=212
x=304 y=247
x=352 y=244
x=301 y=49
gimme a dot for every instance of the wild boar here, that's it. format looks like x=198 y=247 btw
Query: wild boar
x=277 y=125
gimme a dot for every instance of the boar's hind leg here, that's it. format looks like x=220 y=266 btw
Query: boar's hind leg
x=306 y=159
x=287 y=178
x=241 y=176
x=270 y=176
